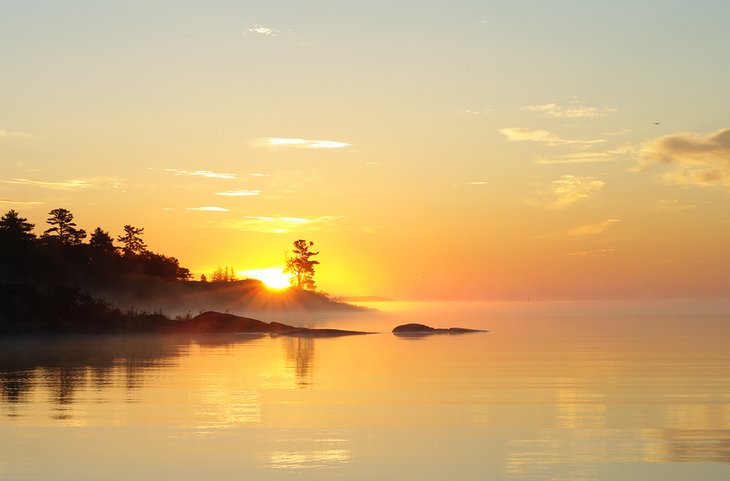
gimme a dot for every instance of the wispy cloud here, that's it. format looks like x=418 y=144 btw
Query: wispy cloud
x=566 y=191
x=519 y=134
x=592 y=253
x=575 y=110
x=673 y=206
x=700 y=160
x=239 y=193
x=19 y=202
x=477 y=182
x=69 y=184
x=300 y=143
x=9 y=134
x=474 y=113
x=275 y=225
x=263 y=30
x=577 y=158
x=259 y=174
x=209 y=208
x=592 y=229
x=202 y=173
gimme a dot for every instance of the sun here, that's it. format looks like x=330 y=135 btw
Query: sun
x=272 y=277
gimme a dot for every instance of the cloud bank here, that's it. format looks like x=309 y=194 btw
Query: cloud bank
x=700 y=160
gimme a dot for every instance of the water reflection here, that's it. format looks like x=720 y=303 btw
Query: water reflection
x=530 y=401
x=15 y=384
x=322 y=450
x=300 y=356
x=691 y=445
x=62 y=368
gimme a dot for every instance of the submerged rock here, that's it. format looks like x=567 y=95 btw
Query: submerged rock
x=414 y=329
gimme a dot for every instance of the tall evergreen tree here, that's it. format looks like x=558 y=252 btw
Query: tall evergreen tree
x=101 y=241
x=301 y=265
x=132 y=240
x=63 y=227
x=13 y=227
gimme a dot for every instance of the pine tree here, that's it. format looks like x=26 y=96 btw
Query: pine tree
x=132 y=240
x=301 y=266
x=63 y=227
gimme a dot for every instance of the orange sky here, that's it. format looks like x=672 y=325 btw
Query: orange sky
x=464 y=150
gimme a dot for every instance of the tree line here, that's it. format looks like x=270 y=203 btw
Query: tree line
x=62 y=256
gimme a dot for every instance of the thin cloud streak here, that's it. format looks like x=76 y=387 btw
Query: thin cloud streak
x=274 y=225
x=9 y=134
x=275 y=142
x=208 y=208
x=20 y=202
x=239 y=193
x=593 y=229
x=474 y=113
x=69 y=184
x=577 y=158
x=673 y=206
x=203 y=173
x=519 y=134
x=592 y=253
x=575 y=111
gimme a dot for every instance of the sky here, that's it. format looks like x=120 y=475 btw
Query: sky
x=430 y=150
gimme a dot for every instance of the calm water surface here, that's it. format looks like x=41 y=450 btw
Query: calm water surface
x=555 y=391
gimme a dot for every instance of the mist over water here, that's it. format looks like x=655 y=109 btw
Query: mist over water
x=569 y=391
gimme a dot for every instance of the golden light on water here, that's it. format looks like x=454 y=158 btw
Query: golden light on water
x=272 y=277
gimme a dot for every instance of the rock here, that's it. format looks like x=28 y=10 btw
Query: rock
x=415 y=329
x=218 y=322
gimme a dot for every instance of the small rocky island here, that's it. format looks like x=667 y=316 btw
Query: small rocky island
x=218 y=322
x=415 y=329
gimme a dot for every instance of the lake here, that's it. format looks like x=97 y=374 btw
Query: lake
x=554 y=391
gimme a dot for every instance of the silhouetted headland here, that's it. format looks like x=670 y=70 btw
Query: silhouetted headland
x=60 y=283
x=415 y=329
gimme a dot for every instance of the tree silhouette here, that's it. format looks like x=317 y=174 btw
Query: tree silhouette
x=77 y=236
x=16 y=247
x=301 y=265
x=15 y=228
x=101 y=241
x=224 y=274
x=132 y=240
x=63 y=227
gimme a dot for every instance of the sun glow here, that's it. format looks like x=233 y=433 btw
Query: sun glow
x=272 y=277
